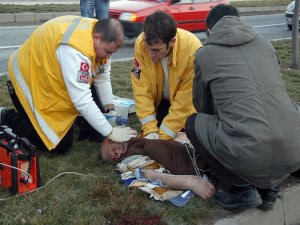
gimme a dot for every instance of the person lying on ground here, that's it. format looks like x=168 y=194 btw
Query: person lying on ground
x=171 y=154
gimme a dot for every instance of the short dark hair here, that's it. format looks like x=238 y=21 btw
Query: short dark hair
x=110 y=29
x=159 y=26
x=218 y=12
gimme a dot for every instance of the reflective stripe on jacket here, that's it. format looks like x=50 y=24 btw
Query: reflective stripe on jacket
x=148 y=82
x=36 y=75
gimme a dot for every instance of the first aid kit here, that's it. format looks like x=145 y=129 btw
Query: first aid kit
x=19 y=164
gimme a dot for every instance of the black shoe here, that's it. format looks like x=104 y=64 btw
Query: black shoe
x=269 y=197
x=239 y=197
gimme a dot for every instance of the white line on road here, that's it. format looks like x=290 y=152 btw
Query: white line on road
x=9 y=47
x=283 y=39
x=270 y=25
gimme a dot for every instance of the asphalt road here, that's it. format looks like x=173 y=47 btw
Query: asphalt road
x=273 y=27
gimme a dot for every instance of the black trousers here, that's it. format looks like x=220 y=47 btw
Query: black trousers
x=20 y=124
x=226 y=178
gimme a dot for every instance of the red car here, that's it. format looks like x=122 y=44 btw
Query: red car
x=189 y=14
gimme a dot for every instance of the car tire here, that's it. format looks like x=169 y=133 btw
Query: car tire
x=290 y=27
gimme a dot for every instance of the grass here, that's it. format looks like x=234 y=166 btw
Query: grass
x=97 y=197
x=291 y=77
x=38 y=8
x=260 y=3
x=12 y=8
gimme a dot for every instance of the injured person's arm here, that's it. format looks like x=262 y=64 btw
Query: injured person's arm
x=199 y=186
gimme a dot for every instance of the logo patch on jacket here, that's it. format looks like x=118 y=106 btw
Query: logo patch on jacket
x=83 y=73
x=136 y=69
x=84 y=67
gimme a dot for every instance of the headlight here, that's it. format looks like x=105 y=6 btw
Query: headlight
x=128 y=16
x=290 y=7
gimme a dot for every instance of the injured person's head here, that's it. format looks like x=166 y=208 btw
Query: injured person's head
x=113 y=151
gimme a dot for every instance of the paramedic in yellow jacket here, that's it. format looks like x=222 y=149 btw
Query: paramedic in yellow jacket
x=50 y=77
x=162 y=75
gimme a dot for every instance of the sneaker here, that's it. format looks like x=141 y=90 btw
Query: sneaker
x=239 y=197
x=2 y=111
x=269 y=197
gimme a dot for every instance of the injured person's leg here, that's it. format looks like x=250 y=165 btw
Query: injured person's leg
x=199 y=186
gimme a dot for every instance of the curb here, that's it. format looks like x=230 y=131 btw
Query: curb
x=285 y=212
x=32 y=17
x=43 y=17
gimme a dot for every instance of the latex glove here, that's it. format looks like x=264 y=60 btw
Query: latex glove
x=152 y=136
x=122 y=134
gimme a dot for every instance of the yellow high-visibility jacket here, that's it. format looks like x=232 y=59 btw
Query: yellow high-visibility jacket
x=36 y=75
x=148 y=81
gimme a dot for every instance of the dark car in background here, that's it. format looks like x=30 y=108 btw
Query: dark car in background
x=189 y=14
x=289 y=14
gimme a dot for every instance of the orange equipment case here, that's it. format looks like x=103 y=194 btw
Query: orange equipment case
x=18 y=153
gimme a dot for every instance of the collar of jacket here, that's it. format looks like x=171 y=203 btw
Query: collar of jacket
x=173 y=54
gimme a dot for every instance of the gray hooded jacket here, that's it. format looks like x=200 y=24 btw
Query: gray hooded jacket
x=246 y=118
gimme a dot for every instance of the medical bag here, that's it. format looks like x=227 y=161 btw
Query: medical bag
x=19 y=164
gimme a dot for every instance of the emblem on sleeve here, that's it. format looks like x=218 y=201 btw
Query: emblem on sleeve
x=136 y=63
x=83 y=73
x=84 y=67
x=136 y=69
x=83 y=76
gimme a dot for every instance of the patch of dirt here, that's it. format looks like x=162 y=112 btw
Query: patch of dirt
x=115 y=217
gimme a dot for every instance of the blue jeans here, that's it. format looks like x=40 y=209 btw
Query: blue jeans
x=87 y=8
